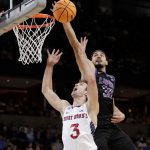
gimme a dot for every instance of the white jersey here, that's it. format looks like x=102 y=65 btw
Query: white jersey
x=78 y=129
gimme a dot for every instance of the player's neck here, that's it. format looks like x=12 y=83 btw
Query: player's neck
x=78 y=101
x=103 y=69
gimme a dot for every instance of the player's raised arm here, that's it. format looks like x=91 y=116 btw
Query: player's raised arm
x=73 y=42
x=76 y=46
x=89 y=75
x=47 y=87
x=71 y=36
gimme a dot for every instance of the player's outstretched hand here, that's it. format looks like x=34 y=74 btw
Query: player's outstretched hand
x=83 y=44
x=54 y=57
x=53 y=5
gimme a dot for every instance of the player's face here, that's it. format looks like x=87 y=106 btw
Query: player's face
x=79 y=89
x=99 y=58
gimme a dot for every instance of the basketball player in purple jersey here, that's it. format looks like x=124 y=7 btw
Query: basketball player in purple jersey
x=108 y=135
x=79 y=119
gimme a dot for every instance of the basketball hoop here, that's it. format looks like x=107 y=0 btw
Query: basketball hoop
x=31 y=36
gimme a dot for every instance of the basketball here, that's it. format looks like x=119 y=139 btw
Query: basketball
x=64 y=11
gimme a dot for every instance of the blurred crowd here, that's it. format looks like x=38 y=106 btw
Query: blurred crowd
x=26 y=137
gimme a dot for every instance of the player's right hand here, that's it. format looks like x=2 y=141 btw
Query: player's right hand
x=54 y=57
x=83 y=44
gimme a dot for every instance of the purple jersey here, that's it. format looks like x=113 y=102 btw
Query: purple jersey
x=106 y=85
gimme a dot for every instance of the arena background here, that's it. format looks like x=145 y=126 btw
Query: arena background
x=122 y=29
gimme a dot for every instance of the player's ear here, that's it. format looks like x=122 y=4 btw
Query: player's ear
x=106 y=62
x=85 y=92
x=86 y=96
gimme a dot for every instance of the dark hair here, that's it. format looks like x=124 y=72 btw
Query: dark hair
x=81 y=80
x=107 y=58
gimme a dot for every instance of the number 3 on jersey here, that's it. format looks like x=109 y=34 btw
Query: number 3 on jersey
x=75 y=131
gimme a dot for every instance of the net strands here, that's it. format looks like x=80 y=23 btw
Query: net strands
x=31 y=37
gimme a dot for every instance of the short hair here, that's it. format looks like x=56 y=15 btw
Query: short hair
x=83 y=80
x=99 y=50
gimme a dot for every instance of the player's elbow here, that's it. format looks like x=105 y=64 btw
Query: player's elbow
x=123 y=116
x=47 y=92
x=44 y=90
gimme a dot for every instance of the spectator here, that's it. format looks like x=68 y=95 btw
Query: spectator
x=3 y=143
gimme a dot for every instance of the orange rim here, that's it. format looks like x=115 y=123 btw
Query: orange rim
x=40 y=16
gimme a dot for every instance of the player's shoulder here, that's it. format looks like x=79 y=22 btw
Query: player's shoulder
x=65 y=105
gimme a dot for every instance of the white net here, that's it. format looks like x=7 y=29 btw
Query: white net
x=31 y=37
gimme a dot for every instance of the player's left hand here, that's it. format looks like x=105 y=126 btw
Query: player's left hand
x=82 y=47
x=83 y=44
x=117 y=118
x=53 y=5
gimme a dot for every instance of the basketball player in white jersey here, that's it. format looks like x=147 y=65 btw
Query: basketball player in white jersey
x=79 y=119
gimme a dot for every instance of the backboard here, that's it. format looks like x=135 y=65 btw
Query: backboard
x=17 y=11
x=7 y=4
